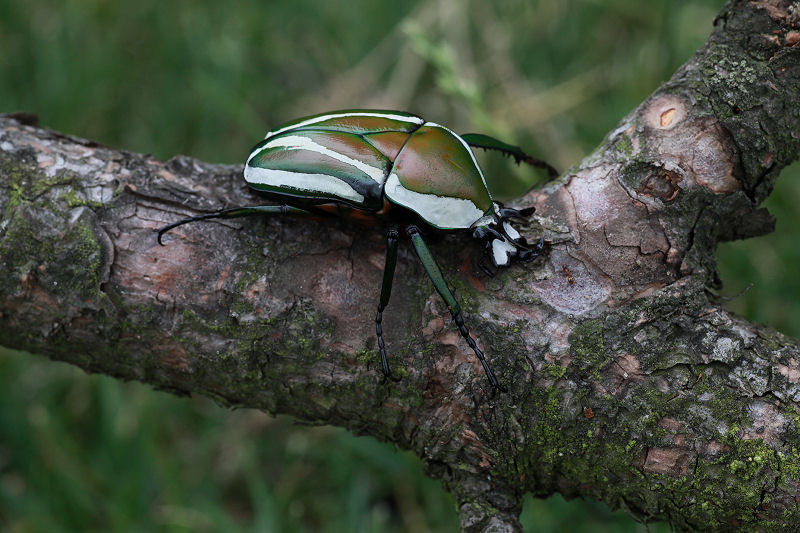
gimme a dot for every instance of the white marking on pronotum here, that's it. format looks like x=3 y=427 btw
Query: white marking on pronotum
x=314 y=183
x=469 y=151
x=441 y=211
x=402 y=118
x=298 y=142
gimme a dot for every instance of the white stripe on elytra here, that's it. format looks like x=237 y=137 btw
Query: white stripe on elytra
x=298 y=142
x=313 y=183
x=402 y=118
x=442 y=211
x=469 y=151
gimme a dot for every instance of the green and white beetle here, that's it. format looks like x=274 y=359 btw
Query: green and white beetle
x=391 y=168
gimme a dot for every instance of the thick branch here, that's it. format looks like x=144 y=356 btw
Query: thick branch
x=625 y=383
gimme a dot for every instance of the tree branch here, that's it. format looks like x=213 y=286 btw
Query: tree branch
x=626 y=382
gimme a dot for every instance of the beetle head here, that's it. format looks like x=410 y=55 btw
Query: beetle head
x=501 y=240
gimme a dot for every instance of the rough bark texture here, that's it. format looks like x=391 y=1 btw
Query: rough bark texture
x=626 y=382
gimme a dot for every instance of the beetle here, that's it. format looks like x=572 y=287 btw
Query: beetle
x=391 y=168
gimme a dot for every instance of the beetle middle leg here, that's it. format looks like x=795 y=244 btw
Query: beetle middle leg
x=432 y=268
x=236 y=212
x=392 y=240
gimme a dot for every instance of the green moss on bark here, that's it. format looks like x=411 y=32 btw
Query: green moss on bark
x=587 y=344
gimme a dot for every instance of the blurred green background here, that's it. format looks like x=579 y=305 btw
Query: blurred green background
x=207 y=79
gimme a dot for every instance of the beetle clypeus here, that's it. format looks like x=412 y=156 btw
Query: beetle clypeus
x=393 y=168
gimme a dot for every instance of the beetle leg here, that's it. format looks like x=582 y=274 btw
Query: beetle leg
x=484 y=264
x=478 y=140
x=392 y=238
x=529 y=254
x=432 y=268
x=510 y=212
x=236 y=212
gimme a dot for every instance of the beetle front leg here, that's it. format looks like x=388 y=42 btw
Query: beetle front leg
x=392 y=240
x=236 y=212
x=432 y=268
x=479 y=140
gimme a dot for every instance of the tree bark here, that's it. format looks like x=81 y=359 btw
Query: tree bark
x=625 y=381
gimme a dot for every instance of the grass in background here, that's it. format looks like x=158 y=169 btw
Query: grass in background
x=88 y=453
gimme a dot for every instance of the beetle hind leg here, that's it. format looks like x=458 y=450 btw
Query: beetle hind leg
x=392 y=240
x=435 y=274
x=235 y=212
